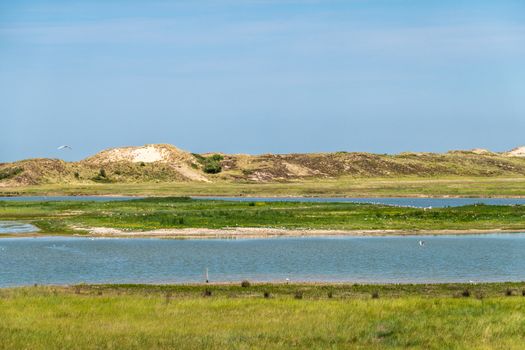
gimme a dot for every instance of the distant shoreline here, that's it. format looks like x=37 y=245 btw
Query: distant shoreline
x=259 y=233
x=218 y=196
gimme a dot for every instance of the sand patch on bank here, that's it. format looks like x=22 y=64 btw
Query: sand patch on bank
x=256 y=232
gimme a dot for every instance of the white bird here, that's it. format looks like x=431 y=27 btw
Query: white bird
x=64 y=147
x=421 y=243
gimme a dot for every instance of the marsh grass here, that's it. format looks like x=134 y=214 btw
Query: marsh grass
x=138 y=317
x=158 y=213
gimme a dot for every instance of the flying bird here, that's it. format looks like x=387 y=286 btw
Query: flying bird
x=421 y=243
x=64 y=147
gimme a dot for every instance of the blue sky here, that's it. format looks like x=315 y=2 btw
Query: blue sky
x=258 y=76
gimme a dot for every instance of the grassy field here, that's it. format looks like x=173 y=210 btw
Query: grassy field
x=340 y=187
x=486 y=316
x=156 y=213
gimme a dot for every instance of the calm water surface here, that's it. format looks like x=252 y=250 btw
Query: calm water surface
x=13 y=227
x=398 y=201
x=68 y=198
x=52 y=260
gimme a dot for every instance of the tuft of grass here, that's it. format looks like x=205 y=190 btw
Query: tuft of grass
x=245 y=284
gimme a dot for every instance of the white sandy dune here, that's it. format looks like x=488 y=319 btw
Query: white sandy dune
x=516 y=152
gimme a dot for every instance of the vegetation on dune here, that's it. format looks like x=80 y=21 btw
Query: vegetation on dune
x=211 y=164
x=168 y=164
x=154 y=213
x=8 y=173
x=186 y=317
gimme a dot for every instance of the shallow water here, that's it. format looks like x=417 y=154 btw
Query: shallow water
x=68 y=198
x=397 y=201
x=13 y=227
x=60 y=260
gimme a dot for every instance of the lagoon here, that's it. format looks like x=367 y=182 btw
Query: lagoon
x=69 y=260
x=416 y=202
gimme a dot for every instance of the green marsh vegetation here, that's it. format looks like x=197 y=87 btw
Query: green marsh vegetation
x=268 y=316
x=155 y=213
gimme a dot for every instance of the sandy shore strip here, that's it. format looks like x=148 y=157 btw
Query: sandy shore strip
x=256 y=232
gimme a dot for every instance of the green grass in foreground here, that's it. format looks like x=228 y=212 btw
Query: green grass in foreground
x=180 y=317
x=153 y=213
x=408 y=186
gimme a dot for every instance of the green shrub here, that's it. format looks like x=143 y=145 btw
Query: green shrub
x=211 y=164
x=216 y=157
x=212 y=167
